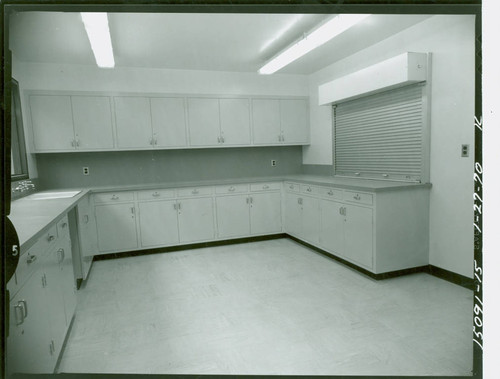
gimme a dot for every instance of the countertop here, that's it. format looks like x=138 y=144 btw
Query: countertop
x=32 y=218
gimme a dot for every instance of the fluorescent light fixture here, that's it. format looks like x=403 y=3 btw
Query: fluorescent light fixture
x=318 y=37
x=96 y=26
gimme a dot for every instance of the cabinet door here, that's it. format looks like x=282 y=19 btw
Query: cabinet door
x=86 y=235
x=332 y=227
x=359 y=235
x=293 y=214
x=92 y=121
x=196 y=219
x=310 y=220
x=235 y=121
x=116 y=229
x=233 y=215
x=54 y=297
x=158 y=223
x=28 y=348
x=67 y=279
x=169 y=122
x=266 y=121
x=265 y=213
x=52 y=122
x=204 y=123
x=294 y=121
x=133 y=122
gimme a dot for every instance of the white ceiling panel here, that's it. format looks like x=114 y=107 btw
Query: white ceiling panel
x=194 y=41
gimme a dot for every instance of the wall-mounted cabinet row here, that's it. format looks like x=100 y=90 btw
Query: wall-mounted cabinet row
x=76 y=122
x=132 y=220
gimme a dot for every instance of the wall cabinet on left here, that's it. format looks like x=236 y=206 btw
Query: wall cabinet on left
x=68 y=123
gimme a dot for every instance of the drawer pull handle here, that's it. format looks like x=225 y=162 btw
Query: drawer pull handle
x=86 y=219
x=265 y=187
x=357 y=197
x=156 y=194
x=31 y=259
x=51 y=238
x=231 y=189
x=114 y=197
x=61 y=255
x=64 y=225
x=299 y=200
x=308 y=189
x=291 y=186
x=195 y=191
x=330 y=192
x=23 y=307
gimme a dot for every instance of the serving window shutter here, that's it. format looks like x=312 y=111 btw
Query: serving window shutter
x=380 y=136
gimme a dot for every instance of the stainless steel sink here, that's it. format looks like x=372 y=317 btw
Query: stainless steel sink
x=52 y=195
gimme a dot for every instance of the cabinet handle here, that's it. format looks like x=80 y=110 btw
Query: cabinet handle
x=31 y=259
x=179 y=206
x=61 y=255
x=357 y=197
x=175 y=206
x=251 y=200
x=282 y=136
x=218 y=139
x=357 y=173
x=299 y=200
x=24 y=308
x=114 y=197
x=86 y=219
x=231 y=189
x=385 y=175
x=195 y=191
x=15 y=250
x=222 y=139
x=64 y=224
x=44 y=281
x=308 y=189
x=265 y=187
x=77 y=142
x=132 y=210
x=330 y=192
x=156 y=194
x=51 y=238
x=155 y=141
x=248 y=200
x=291 y=186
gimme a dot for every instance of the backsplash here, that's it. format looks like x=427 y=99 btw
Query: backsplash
x=65 y=170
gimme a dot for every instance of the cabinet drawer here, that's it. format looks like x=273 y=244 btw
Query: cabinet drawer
x=358 y=197
x=311 y=190
x=265 y=187
x=330 y=193
x=156 y=194
x=292 y=187
x=62 y=228
x=237 y=188
x=113 y=196
x=194 y=191
x=29 y=262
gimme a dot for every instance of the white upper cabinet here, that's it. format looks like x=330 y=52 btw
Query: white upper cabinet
x=52 y=122
x=92 y=122
x=284 y=121
x=266 y=121
x=169 y=121
x=294 y=121
x=204 y=122
x=133 y=122
x=234 y=121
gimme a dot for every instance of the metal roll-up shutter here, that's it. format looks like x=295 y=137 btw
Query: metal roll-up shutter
x=380 y=136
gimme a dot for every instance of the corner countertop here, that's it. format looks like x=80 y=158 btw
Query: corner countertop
x=32 y=218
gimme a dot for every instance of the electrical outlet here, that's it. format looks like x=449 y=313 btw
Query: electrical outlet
x=465 y=150
x=86 y=171
x=273 y=162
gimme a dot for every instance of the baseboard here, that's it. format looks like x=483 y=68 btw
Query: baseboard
x=188 y=247
x=438 y=272
x=452 y=277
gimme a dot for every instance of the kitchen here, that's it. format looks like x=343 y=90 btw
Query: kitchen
x=147 y=189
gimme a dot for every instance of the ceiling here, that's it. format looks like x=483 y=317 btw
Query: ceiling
x=194 y=41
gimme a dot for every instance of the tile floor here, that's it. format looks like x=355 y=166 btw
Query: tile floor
x=272 y=307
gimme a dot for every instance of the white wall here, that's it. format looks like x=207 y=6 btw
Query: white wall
x=451 y=41
x=128 y=79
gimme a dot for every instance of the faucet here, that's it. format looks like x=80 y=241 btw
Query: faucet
x=24 y=185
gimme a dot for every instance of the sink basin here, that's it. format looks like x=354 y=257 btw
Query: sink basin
x=52 y=195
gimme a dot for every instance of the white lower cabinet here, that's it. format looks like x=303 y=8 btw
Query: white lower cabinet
x=265 y=213
x=42 y=305
x=293 y=214
x=233 y=215
x=116 y=227
x=196 y=219
x=158 y=223
x=310 y=220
